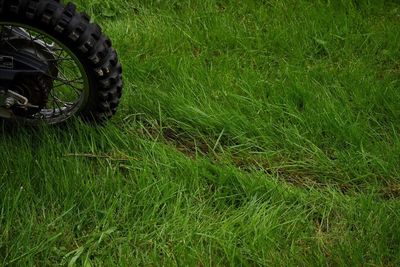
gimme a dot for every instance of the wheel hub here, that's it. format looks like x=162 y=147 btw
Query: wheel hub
x=35 y=87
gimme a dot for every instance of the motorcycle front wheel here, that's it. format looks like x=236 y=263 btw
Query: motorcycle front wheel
x=85 y=76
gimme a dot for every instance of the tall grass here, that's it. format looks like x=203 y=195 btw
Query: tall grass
x=250 y=133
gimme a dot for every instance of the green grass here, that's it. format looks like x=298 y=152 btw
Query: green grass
x=250 y=133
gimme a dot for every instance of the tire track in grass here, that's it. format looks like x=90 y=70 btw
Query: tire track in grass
x=284 y=169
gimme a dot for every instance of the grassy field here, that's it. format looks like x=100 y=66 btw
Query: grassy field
x=257 y=132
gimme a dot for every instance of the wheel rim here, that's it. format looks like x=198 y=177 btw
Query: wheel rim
x=70 y=91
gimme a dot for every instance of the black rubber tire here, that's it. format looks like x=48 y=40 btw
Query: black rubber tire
x=85 y=40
